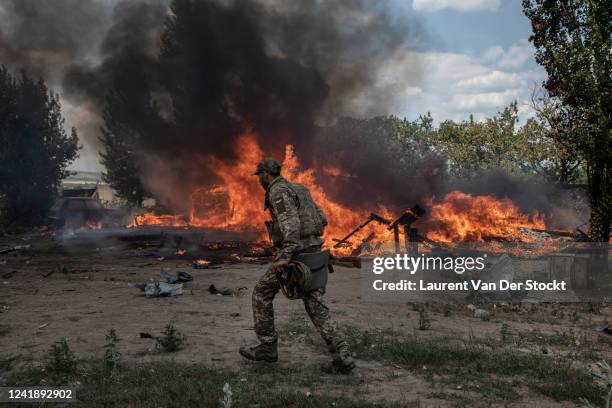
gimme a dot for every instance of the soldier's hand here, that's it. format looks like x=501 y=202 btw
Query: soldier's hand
x=280 y=264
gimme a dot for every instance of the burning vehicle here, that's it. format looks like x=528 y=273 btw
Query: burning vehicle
x=79 y=212
x=71 y=214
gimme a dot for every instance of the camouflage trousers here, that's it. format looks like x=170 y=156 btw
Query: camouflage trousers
x=263 y=314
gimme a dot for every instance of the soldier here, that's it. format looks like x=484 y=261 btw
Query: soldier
x=296 y=227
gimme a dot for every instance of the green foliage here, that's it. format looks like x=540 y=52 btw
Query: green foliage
x=547 y=148
x=473 y=147
x=171 y=340
x=61 y=363
x=467 y=149
x=573 y=41
x=111 y=354
x=35 y=149
x=497 y=143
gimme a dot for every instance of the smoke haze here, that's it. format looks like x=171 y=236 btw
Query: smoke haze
x=213 y=69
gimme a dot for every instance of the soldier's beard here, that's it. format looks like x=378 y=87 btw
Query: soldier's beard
x=264 y=182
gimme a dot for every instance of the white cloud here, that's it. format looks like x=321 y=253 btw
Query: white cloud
x=490 y=81
x=493 y=53
x=514 y=57
x=494 y=100
x=412 y=91
x=517 y=55
x=461 y=5
x=457 y=85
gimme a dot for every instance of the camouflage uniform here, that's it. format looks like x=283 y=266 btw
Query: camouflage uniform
x=297 y=224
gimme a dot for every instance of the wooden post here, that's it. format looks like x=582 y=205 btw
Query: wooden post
x=396 y=238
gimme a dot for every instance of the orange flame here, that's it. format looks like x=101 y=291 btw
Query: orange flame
x=463 y=217
x=163 y=220
x=237 y=203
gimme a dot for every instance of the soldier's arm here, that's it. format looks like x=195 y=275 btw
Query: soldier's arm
x=285 y=208
x=321 y=214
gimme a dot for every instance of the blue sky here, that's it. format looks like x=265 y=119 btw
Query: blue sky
x=474 y=31
x=478 y=60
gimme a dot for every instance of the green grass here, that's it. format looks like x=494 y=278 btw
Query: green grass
x=170 y=383
x=568 y=342
x=162 y=384
x=472 y=360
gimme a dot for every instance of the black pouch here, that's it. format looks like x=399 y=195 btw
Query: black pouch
x=317 y=262
x=274 y=233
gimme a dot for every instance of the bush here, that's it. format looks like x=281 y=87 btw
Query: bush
x=61 y=363
x=111 y=355
x=171 y=340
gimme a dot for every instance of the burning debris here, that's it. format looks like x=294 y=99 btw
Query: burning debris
x=233 y=205
x=463 y=217
x=371 y=217
x=202 y=264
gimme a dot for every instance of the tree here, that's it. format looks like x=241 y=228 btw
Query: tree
x=119 y=156
x=573 y=41
x=544 y=146
x=34 y=149
x=540 y=156
x=533 y=150
x=472 y=147
x=130 y=114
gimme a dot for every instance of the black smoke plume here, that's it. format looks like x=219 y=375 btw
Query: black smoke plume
x=208 y=70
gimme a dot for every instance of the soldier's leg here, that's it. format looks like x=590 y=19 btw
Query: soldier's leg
x=263 y=311
x=327 y=328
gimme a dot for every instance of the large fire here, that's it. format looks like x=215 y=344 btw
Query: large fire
x=463 y=217
x=236 y=203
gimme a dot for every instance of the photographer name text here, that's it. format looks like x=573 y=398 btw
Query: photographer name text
x=477 y=285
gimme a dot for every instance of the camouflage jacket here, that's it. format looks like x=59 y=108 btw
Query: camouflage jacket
x=297 y=221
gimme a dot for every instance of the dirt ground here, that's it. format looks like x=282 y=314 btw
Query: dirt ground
x=79 y=290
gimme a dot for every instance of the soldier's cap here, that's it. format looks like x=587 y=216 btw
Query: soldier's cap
x=268 y=164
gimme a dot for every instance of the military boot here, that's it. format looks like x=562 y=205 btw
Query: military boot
x=339 y=366
x=261 y=352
